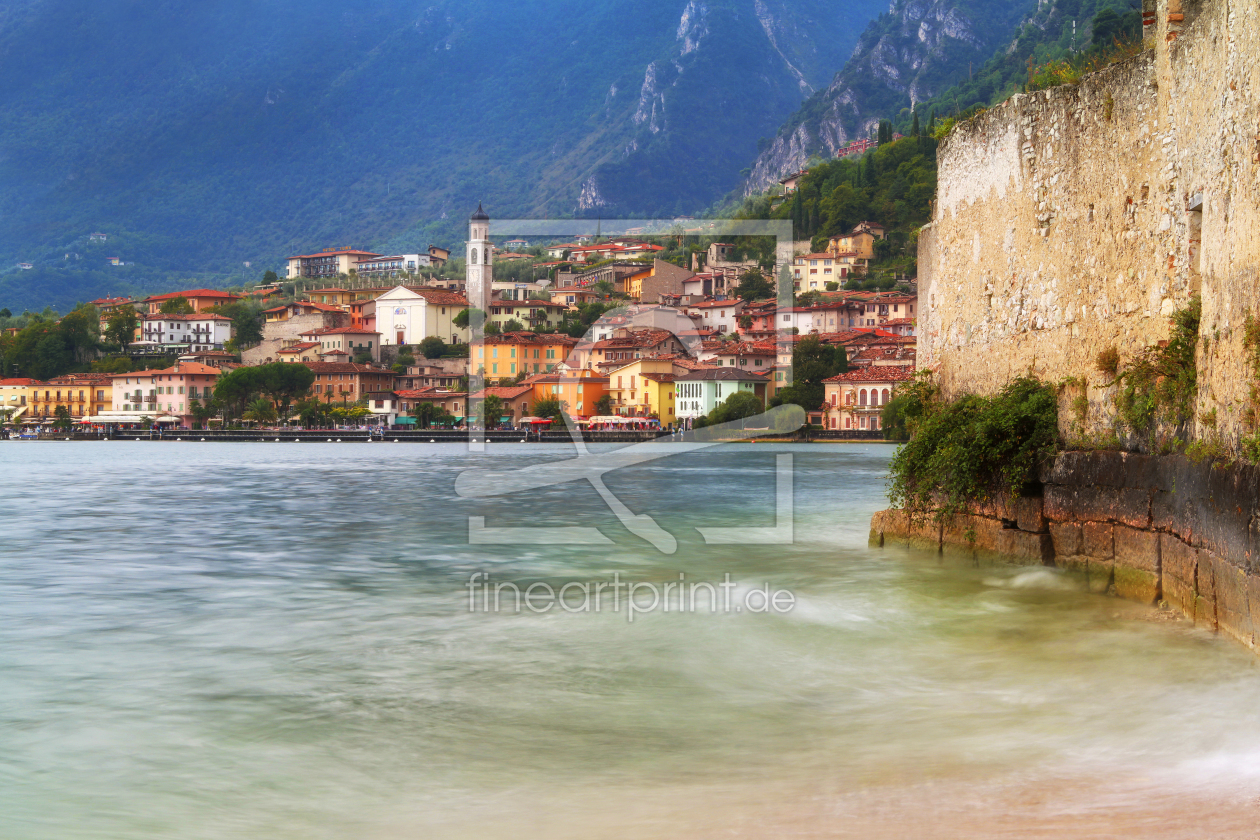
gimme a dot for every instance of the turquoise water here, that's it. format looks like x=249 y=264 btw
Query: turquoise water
x=274 y=640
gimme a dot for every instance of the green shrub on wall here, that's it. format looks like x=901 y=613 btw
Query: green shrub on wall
x=966 y=451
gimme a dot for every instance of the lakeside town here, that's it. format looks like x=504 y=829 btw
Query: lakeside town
x=605 y=331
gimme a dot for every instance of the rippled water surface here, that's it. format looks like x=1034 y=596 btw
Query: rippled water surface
x=274 y=641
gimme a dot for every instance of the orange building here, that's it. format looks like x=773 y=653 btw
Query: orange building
x=577 y=390
x=521 y=352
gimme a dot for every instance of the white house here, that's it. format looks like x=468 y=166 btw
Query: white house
x=200 y=331
x=408 y=316
x=699 y=392
x=721 y=315
x=826 y=318
x=391 y=265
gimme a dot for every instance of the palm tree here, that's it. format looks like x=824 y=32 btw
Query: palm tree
x=261 y=410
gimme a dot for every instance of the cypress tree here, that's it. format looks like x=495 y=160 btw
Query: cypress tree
x=914 y=126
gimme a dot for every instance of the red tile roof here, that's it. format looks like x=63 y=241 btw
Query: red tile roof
x=345 y=367
x=339 y=331
x=505 y=392
x=884 y=373
x=196 y=316
x=193 y=293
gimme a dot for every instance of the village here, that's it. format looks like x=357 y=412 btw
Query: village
x=661 y=347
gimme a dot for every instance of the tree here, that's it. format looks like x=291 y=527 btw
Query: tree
x=310 y=410
x=5 y=313
x=491 y=328
x=491 y=411
x=247 y=321
x=261 y=411
x=812 y=362
x=513 y=325
x=738 y=406
x=270 y=277
x=754 y=286
x=202 y=412
x=120 y=329
x=548 y=407
x=464 y=317
x=425 y=413
x=832 y=286
x=432 y=347
x=62 y=422
x=811 y=298
x=363 y=357
x=603 y=406
x=236 y=389
x=177 y=305
x=284 y=383
x=603 y=287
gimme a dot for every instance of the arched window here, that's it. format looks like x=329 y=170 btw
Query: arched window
x=473 y=259
x=862 y=397
x=884 y=399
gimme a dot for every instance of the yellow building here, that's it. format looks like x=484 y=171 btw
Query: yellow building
x=83 y=395
x=643 y=388
x=15 y=396
x=340 y=297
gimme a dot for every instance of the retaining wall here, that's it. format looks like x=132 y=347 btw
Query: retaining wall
x=1146 y=528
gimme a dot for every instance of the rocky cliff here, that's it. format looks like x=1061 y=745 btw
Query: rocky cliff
x=1078 y=219
x=911 y=53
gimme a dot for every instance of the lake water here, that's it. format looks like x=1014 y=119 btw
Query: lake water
x=274 y=640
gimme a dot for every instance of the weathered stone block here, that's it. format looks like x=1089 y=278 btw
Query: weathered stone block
x=1205 y=590
x=1136 y=549
x=1135 y=584
x=1178 y=562
x=1098 y=573
x=1098 y=540
x=1029 y=514
x=1233 y=615
x=1130 y=506
x=1020 y=546
x=977 y=533
x=1067 y=538
x=895 y=526
x=1087 y=468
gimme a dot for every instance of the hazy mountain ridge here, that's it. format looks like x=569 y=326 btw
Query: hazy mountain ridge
x=201 y=137
x=910 y=54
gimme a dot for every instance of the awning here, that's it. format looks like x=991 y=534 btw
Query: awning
x=405 y=421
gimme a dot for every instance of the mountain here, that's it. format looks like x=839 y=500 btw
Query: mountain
x=909 y=54
x=200 y=137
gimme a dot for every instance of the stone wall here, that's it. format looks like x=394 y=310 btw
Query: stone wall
x=279 y=334
x=1147 y=528
x=1081 y=217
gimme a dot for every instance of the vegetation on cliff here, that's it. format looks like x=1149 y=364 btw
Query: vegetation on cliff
x=893 y=185
x=1157 y=389
x=966 y=451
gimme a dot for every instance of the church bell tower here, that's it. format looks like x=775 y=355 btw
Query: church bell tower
x=480 y=264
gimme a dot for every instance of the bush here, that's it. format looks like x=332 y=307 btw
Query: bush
x=432 y=347
x=968 y=450
x=1161 y=383
x=1108 y=361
